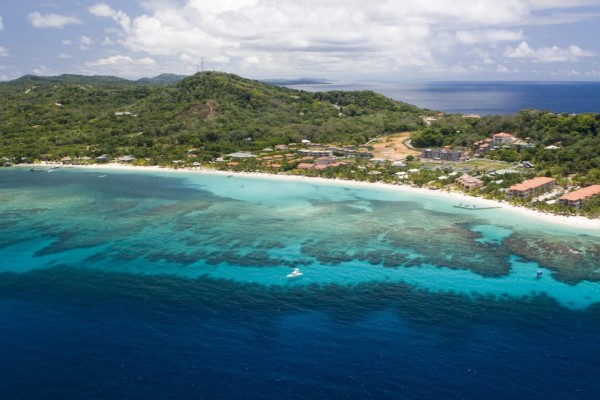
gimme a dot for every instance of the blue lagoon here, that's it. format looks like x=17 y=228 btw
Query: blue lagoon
x=163 y=284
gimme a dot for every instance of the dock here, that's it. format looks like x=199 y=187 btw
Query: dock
x=474 y=207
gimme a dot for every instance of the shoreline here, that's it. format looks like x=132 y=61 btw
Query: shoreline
x=574 y=221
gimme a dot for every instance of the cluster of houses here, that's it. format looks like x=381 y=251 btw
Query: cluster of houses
x=447 y=153
x=100 y=160
x=311 y=156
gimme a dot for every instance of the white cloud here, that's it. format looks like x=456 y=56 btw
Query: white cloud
x=85 y=42
x=125 y=66
x=67 y=42
x=121 y=59
x=3 y=52
x=1 y=24
x=544 y=4
x=547 y=54
x=43 y=70
x=51 y=20
x=104 y=10
x=488 y=36
x=101 y=10
x=348 y=35
x=331 y=37
x=64 y=55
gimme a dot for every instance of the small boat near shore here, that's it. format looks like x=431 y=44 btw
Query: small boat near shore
x=539 y=274
x=295 y=273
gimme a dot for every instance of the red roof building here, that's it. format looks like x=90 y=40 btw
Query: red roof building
x=531 y=187
x=305 y=166
x=503 y=138
x=467 y=182
x=578 y=197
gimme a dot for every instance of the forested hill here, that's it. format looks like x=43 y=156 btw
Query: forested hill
x=73 y=115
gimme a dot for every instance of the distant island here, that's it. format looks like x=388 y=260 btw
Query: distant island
x=225 y=122
x=299 y=81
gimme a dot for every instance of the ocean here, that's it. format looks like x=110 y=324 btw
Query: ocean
x=483 y=98
x=163 y=285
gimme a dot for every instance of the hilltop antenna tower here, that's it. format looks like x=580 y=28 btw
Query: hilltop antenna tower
x=202 y=64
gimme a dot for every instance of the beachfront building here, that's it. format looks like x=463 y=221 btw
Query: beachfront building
x=126 y=159
x=531 y=187
x=468 y=182
x=578 y=197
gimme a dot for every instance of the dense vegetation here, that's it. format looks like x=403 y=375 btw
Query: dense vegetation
x=574 y=140
x=158 y=122
x=52 y=117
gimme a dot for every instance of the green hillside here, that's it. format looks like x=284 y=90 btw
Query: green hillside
x=52 y=117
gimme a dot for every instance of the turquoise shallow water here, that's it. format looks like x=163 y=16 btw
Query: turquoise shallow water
x=165 y=285
x=254 y=230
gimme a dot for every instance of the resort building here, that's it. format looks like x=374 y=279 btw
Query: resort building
x=315 y=153
x=498 y=139
x=483 y=145
x=503 y=138
x=241 y=154
x=361 y=154
x=305 y=166
x=446 y=154
x=531 y=187
x=126 y=159
x=578 y=197
x=468 y=182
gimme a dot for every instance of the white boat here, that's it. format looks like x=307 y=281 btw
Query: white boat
x=539 y=274
x=295 y=273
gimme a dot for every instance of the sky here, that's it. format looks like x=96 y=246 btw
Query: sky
x=350 y=40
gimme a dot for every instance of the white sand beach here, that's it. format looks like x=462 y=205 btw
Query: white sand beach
x=575 y=221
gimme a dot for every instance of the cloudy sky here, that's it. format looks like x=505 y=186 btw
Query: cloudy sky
x=341 y=40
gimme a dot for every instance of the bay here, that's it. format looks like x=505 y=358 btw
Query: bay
x=137 y=284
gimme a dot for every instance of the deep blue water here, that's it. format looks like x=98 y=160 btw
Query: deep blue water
x=484 y=98
x=119 y=285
